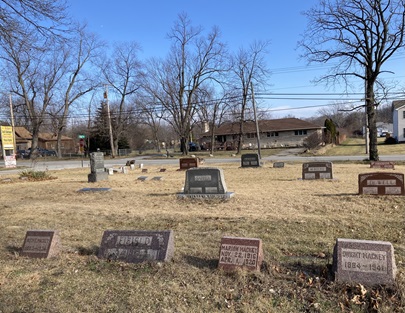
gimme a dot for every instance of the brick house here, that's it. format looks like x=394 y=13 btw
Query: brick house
x=285 y=132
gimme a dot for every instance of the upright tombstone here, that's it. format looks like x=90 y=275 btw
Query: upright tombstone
x=187 y=163
x=278 y=164
x=244 y=253
x=41 y=244
x=364 y=262
x=207 y=182
x=250 y=160
x=381 y=184
x=97 y=168
x=382 y=165
x=317 y=170
x=137 y=246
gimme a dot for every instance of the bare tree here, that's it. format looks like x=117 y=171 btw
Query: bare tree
x=248 y=66
x=360 y=35
x=173 y=82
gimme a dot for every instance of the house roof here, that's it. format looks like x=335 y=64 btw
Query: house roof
x=277 y=125
x=51 y=137
x=22 y=132
x=398 y=104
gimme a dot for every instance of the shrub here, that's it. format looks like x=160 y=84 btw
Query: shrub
x=35 y=175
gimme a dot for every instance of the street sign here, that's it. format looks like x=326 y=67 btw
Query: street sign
x=82 y=136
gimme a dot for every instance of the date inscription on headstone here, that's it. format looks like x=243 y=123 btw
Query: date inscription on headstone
x=381 y=184
x=137 y=246
x=41 y=244
x=250 y=160
x=364 y=262
x=317 y=170
x=236 y=252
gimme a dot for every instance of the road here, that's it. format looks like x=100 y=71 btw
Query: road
x=43 y=164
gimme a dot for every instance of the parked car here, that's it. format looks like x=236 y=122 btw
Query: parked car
x=192 y=146
x=22 y=154
x=43 y=152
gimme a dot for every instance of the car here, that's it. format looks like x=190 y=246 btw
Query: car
x=192 y=146
x=46 y=152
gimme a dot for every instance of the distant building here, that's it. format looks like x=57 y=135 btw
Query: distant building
x=398 y=118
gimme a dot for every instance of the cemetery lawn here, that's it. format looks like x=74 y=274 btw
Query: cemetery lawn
x=298 y=222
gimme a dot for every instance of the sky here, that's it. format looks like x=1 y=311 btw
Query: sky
x=241 y=23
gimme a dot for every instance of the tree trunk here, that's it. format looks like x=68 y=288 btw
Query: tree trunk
x=240 y=137
x=372 y=120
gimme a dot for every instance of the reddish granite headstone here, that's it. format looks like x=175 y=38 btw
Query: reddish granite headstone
x=382 y=164
x=41 y=244
x=364 y=262
x=381 y=184
x=317 y=170
x=137 y=246
x=187 y=163
x=236 y=252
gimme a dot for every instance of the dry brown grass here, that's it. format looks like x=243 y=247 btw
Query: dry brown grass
x=297 y=220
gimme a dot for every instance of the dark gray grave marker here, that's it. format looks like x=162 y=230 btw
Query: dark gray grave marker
x=94 y=189
x=41 y=244
x=236 y=252
x=250 y=160
x=137 y=246
x=317 y=170
x=364 y=262
x=205 y=182
x=278 y=164
x=98 y=172
x=381 y=184
x=143 y=178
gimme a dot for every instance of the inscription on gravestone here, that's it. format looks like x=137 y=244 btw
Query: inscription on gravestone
x=364 y=262
x=317 y=170
x=41 y=244
x=205 y=182
x=278 y=164
x=381 y=184
x=187 y=163
x=97 y=168
x=382 y=164
x=137 y=246
x=236 y=252
x=250 y=160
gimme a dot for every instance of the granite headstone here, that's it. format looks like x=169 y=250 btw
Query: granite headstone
x=382 y=165
x=317 y=170
x=250 y=160
x=98 y=172
x=381 y=184
x=41 y=244
x=187 y=163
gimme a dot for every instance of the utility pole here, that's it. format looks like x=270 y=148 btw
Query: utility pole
x=12 y=124
x=366 y=119
x=257 y=124
x=109 y=122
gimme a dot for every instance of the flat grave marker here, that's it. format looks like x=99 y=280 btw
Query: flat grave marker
x=250 y=160
x=144 y=170
x=381 y=184
x=382 y=165
x=243 y=253
x=137 y=246
x=207 y=182
x=278 y=164
x=41 y=244
x=94 y=189
x=317 y=170
x=187 y=163
x=364 y=262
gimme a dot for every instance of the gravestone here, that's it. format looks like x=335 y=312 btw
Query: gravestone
x=162 y=170
x=382 y=165
x=124 y=170
x=250 y=160
x=94 y=189
x=132 y=167
x=144 y=170
x=143 y=178
x=207 y=182
x=381 y=184
x=364 y=262
x=317 y=170
x=187 y=163
x=158 y=178
x=137 y=246
x=110 y=171
x=41 y=244
x=236 y=252
x=278 y=164
x=97 y=168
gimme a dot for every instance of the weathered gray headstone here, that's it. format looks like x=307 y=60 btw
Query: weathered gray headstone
x=364 y=262
x=94 y=189
x=382 y=165
x=41 y=244
x=137 y=246
x=381 y=184
x=207 y=182
x=159 y=178
x=110 y=171
x=97 y=168
x=317 y=170
x=278 y=164
x=236 y=252
x=250 y=160
x=143 y=178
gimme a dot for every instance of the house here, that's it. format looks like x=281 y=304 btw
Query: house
x=285 y=132
x=398 y=118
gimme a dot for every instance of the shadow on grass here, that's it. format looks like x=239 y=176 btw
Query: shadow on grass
x=93 y=250
x=338 y=195
x=311 y=269
x=14 y=249
x=200 y=262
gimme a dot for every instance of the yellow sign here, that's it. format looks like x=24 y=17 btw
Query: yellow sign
x=7 y=137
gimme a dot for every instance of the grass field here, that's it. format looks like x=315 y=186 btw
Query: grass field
x=298 y=222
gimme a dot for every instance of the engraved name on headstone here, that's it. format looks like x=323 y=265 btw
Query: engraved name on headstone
x=98 y=172
x=207 y=182
x=382 y=165
x=41 y=244
x=250 y=160
x=236 y=252
x=317 y=170
x=364 y=262
x=137 y=246
x=381 y=184
x=187 y=163
x=278 y=164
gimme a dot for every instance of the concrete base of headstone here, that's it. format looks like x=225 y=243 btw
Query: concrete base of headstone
x=41 y=244
x=224 y=196
x=364 y=262
x=97 y=176
x=94 y=189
